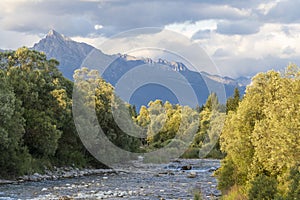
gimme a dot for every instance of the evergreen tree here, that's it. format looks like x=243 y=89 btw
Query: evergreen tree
x=233 y=102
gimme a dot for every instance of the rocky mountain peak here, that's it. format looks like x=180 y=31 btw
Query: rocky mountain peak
x=52 y=34
x=69 y=53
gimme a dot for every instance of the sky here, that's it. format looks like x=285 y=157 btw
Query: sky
x=240 y=37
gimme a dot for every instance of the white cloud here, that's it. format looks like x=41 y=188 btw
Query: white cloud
x=98 y=26
x=238 y=55
x=265 y=8
x=13 y=40
x=189 y=28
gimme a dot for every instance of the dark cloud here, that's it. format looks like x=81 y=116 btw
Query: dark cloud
x=241 y=27
x=77 y=18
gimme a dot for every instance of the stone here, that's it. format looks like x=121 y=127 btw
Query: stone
x=192 y=175
x=186 y=167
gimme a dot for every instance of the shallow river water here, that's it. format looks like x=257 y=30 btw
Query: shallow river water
x=137 y=181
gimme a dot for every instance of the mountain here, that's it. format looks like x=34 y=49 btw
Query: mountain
x=175 y=77
x=69 y=53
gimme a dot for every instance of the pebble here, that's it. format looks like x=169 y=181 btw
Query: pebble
x=137 y=183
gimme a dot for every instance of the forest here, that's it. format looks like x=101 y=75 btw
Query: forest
x=257 y=136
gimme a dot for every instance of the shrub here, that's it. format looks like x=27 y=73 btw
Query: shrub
x=263 y=188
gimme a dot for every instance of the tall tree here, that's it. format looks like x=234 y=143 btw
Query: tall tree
x=261 y=138
x=233 y=102
x=15 y=159
x=37 y=84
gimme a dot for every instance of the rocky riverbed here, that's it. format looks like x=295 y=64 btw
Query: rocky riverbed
x=179 y=179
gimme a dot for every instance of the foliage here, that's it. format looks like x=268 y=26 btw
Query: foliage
x=15 y=159
x=294 y=187
x=198 y=129
x=261 y=137
x=100 y=96
x=36 y=119
x=263 y=188
x=232 y=103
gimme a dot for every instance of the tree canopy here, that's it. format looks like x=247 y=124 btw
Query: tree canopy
x=261 y=137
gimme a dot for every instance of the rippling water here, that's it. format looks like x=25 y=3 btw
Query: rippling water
x=138 y=181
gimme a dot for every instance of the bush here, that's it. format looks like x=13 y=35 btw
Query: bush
x=234 y=193
x=190 y=153
x=226 y=175
x=263 y=188
x=215 y=154
x=294 y=189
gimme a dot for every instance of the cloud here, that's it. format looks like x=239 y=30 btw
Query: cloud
x=241 y=36
x=98 y=27
x=114 y=16
x=288 y=50
x=250 y=66
x=221 y=53
x=12 y=40
x=285 y=12
x=202 y=34
x=241 y=27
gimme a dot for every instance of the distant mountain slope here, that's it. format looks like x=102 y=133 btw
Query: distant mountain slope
x=72 y=54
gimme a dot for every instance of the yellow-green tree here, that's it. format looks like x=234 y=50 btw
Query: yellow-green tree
x=261 y=138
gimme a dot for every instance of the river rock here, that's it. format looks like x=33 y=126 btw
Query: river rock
x=186 y=167
x=139 y=182
x=192 y=175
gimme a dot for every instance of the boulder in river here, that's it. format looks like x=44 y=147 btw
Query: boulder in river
x=186 y=167
x=192 y=175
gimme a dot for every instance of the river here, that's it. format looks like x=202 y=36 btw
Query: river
x=136 y=181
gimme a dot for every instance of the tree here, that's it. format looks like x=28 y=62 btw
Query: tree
x=233 y=102
x=100 y=96
x=37 y=84
x=15 y=159
x=262 y=136
x=210 y=125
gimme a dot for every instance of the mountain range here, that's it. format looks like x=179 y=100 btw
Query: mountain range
x=175 y=75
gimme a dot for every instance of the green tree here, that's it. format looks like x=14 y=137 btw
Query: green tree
x=15 y=159
x=210 y=125
x=233 y=102
x=263 y=188
x=262 y=136
x=100 y=96
x=36 y=82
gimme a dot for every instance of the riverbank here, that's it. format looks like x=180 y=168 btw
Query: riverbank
x=58 y=173
x=135 y=181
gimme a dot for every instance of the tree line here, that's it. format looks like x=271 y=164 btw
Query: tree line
x=257 y=136
x=37 y=128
